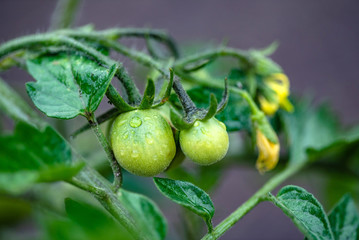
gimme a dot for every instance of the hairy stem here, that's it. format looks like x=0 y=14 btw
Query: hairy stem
x=100 y=193
x=108 y=199
x=213 y=53
x=146 y=60
x=116 y=169
x=243 y=93
x=41 y=40
x=117 y=33
x=113 y=112
x=259 y=196
x=185 y=100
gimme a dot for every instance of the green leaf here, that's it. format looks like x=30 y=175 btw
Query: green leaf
x=342 y=140
x=31 y=155
x=67 y=85
x=344 y=219
x=308 y=128
x=305 y=211
x=14 y=106
x=146 y=213
x=236 y=115
x=94 y=222
x=189 y=196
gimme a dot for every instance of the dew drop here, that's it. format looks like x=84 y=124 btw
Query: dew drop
x=196 y=124
x=204 y=131
x=147 y=118
x=134 y=153
x=125 y=135
x=149 y=138
x=122 y=153
x=135 y=122
x=161 y=153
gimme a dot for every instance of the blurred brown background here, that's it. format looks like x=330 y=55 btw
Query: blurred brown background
x=318 y=50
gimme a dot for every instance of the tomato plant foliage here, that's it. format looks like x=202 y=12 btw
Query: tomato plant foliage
x=67 y=85
x=149 y=134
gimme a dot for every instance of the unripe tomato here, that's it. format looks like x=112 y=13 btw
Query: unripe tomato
x=142 y=141
x=206 y=142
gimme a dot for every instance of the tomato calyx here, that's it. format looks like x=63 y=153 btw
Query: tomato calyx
x=191 y=112
x=148 y=99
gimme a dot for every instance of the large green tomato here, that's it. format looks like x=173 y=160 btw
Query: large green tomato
x=206 y=142
x=143 y=143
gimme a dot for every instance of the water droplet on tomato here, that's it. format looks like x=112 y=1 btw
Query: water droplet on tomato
x=149 y=138
x=196 y=124
x=125 y=135
x=162 y=153
x=204 y=131
x=135 y=122
x=134 y=153
x=122 y=153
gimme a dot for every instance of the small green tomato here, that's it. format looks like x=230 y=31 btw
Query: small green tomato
x=143 y=143
x=206 y=142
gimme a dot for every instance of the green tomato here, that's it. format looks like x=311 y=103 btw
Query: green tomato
x=143 y=143
x=206 y=142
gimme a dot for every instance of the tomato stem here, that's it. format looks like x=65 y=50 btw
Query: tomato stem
x=53 y=39
x=186 y=102
x=258 y=197
x=100 y=193
x=115 y=166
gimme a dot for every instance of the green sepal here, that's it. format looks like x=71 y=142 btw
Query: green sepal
x=270 y=49
x=167 y=93
x=148 y=95
x=225 y=97
x=212 y=110
x=116 y=99
x=191 y=67
x=177 y=120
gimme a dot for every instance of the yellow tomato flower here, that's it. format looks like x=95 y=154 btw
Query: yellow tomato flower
x=269 y=108
x=279 y=83
x=268 y=153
